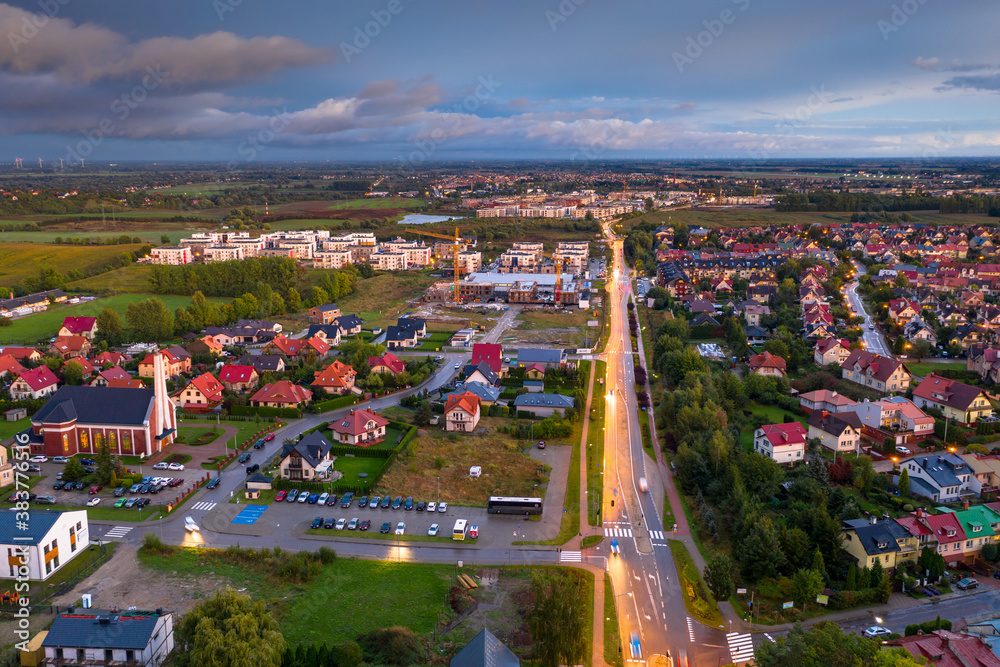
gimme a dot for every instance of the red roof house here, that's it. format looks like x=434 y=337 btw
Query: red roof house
x=387 y=363
x=238 y=378
x=281 y=394
x=361 y=427
x=489 y=353
x=766 y=363
x=79 y=326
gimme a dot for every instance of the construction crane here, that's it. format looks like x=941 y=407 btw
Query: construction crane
x=558 y=260
x=457 y=268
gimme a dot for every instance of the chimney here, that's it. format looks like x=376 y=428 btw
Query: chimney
x=352 y=411
x=833 y=393
x=824 y=415
x=965 y=505
x=944 y=641
x=920 y=514
x=874 y=519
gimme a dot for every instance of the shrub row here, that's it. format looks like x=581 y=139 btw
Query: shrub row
x=334 y=403
x=249 y=411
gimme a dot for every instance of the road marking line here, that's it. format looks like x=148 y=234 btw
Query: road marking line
x=118 y=531
x=740 y=646
x=690 y=629
x=570 y=556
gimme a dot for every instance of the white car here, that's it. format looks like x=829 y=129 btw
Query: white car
x=341 y=523
x=59 y=459
x=93 y=501
x=905 y=451
x=303 y=497
x=877 y=631
x=457 y=366
x=400 y=528
x=353 y=525
x=442 y=508
x=176 y=466
x=162 y=465
x=38 y=459
x=433 y=530
x=432 y=506
x=190 y=524
x=322 y=499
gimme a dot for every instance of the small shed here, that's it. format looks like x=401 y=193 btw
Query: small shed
x=534 y=386
x=259 y=482
x=16 y=414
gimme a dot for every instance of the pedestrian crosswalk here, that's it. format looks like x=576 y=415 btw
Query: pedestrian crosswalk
x=740 y=646
x=618 y=532
x=570 y=556
x=118 y=532
x=690 y=629
x=656 y=535
x=204 y=505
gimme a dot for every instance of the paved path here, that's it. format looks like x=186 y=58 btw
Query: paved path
x=585 y=526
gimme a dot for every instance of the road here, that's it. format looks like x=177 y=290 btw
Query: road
x=647 y=592
x=872 y=337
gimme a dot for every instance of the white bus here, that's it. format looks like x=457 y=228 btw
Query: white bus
x=461 y=530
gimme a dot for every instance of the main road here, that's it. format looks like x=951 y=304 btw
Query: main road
x=872 y=337
x=653 y=621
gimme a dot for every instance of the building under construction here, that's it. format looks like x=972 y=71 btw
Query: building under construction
x=524 y=288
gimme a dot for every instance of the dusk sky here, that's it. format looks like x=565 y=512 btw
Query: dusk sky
x=242 y=80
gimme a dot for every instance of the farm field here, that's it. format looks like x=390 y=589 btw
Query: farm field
x=735 y=217
x=134 y=278
x=378 y=202
x=45 y=325
x=20 y=260
x=196 y=189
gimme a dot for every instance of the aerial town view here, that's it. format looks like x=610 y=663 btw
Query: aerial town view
x=478 y=335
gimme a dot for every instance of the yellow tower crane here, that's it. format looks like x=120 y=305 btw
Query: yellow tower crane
x=457 y=268
x=558 y=260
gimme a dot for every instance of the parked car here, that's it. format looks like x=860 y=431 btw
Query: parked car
x=33 y=468
x=474 y=532
x=134 y=488
x=121 y=502
x=346 y=500
x=353 y=525
x=967 y=584
x=176 y=466
x=281 y=496
x=373 y=504
x=38 y=459
x=442 y=508
x=303 y=497
x=386 y=527
x=59 y=459
x=400 y=528
x=541 y=444
x=259 y=444
x=877 y=631
x=244 y=457
x=365 y=525
x=317 y=522
x=408 y=505
x=433 y=530
x=119 y=492
x=130 y=502
x=313 y=499
x=323 y=497
x=51 y=500
x=269 y=437
x=88 y=462
x=341 y=523
x=905 y=451
x=162 y=465
x=212 y=483
x=332 y=500
x=431 y=506
x=397 y=502
x=141 y=502
x=421 y=505
x=330 y=523
x=386 y=503
x=292 y=495
x=94 y=490
x=90 y=503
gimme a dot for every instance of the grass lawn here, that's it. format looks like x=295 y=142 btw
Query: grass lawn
x=436 y=340
x=612 y=640
x=379 y=301
x=91 y=556
x=647 y=439
x=195 y=436
x=595 y=447
x=351 y=466
x=45 y=325
x=920 y=368
x=133 y=278
x=20 y=260
x=378 y=202
x=106 y=511
x=10 y=429
x=348 y=598
x=246 y=428
x=697 y=599
x=507 y=470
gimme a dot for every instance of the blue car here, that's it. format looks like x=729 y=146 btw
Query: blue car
x=313 y=498
x=634 y=647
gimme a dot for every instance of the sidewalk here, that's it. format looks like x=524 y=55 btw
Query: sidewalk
x=574 y=543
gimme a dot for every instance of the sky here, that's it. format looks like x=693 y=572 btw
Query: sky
x=418 y=81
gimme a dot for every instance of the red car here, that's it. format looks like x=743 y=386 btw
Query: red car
x=94 y=490
x=269 y=437
x=281 y=496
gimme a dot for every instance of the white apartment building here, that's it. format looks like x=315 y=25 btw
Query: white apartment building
x=470 y=261
x=223 y=253
x=331 y=259
x=388 y=261
x=301 y=248
x=173 y=255
x=251 y=247
x=416 y=253
x=43 y=544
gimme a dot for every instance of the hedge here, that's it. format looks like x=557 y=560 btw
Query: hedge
x=334 y=403
x=249 y=411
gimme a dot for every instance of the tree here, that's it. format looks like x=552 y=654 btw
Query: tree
x=557 y=620
x=904 y=483
x=852 y=577
x=931 y=563
x=877 y=573
x=318 y=296
x=718 y=575
x=294 y=300
x=990 y=551
x=422 y=416
x=149 y=320
x=165 y=238
x=827 y=645
x=760 y=552
x=109 y=328
x=229 y=630
x=106 y=464
x=73 y=374
x=806 y=585
x=73 y=471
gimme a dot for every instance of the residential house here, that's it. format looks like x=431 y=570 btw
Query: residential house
x=893 y=417
x=461 y=412
x=880 y=373
x=175 y=364
x=201 y=393
x=902 y=311
x=240 y=379
x=22 y=354
x=86 y=368
x=943 y=478
x=109 y=357
x=480 y=373
x=920 y=534
x=109 y=637
x=754 y=314
x=70 y=347
x=784 y=443
x=42 y=543
x=526 y=356
x=78 y=326
x=489 y=353
x=308 y=459
x=869 y=541
x=823 y=399
x=485 y=650
x=535 y=372
x=6 y=466
x=544 y=405
x=947 y=532
x=944 y=648
x=337 y=378
x=755 y=335
x=204 y=345
x=488 y=394
x=35 y=383
x=958 y=401
x=967 y=335
x=388 y=364
x=360 y=427
x=324 y=314
x=767 y=364
x=831 y=351
x=980 y=524
x=104 y=377
x=281 y=394
x=9 y=364
x=264 y=363
x=838 y=432
x=331 y=333
x=917 y=330
x=298 y=348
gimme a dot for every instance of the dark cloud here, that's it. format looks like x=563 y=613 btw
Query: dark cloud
x=986 y=82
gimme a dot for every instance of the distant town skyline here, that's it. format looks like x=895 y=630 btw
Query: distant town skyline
x=241 y=82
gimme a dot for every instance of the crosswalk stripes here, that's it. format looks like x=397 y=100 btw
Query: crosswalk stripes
x=204 y=505
x=740 y=646
x=618 y=532
x=656 y=534
x=769 y=637
x=118 y=531
x=690 y=629
x=570 y=556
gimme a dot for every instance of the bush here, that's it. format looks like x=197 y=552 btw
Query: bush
x=391 y=646
x=152 y=544
x=459 y=599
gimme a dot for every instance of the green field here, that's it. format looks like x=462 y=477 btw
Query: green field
x=378 y=202
x=134 y=278
x=379 y=301
x=45 y=325
x=199 y=189
x=21 y=260
x=921 y=369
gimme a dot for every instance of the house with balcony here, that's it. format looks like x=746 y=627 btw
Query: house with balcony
x=308 y=459
x=33 y=384
x=949 y=535
x=281 y=394
x=893 y=417
x=902 y=311
x=838 y=432
x=981 y=525
x=201 y=393
x=461 y=412
x=361 y=428
x=943 y=478
x=958 y=401
x=337 y=378
x=238 y=378
x=823 y=399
